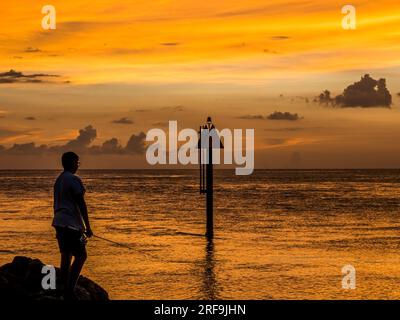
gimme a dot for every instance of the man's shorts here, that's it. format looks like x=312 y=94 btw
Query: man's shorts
x=71 y=241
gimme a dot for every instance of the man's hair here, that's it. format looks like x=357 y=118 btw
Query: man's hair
x=68 y=158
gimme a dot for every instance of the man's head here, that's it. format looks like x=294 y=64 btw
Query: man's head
x=70 y=161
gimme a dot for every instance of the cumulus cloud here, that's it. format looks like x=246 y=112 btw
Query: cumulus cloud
x=13 y=76
x=123 y=121
x=85 y=138
x=82 y=144
x=111 y=146
x=277 y=115
x=135 y=144
x=365 y=93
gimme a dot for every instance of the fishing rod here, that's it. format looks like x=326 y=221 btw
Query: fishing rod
x=125 y=246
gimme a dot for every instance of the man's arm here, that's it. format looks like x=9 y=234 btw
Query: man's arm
x=83 y=209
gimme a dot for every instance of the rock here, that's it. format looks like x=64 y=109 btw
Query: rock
x=22 y=280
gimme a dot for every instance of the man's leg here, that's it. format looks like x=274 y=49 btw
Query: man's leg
x=65 y=269
x=76 y=268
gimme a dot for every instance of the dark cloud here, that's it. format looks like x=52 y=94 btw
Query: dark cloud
x=30 y=118
x=280 y=38
x=161 y=124
x=170 y=44
x=270 y=51
x=365 y=93
x=111 y=146
x=26 y=148
x=277 y=115
x=13 y=76
x=123 y=121
x=252 y=117
x=136 y=144
x=32 y=50
x=85 y=138
x=142 y=110
x=173 y=109
x=81 y=144
x=273 y=116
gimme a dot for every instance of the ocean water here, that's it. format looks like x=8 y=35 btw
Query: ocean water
x=279 y=234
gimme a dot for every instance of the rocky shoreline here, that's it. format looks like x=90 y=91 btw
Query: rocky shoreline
x=22 y=280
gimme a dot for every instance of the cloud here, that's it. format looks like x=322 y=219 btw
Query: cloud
x=123 y=121
x=273 y=116
x=32 y=50
x=170 y=44
x=13 y=76
x=81 y=144
x=270 y=51
x=26 y=148
x=251 y=117
x=136 y=144
x=277 y=115
x=85 y=138
x=280 y=38
x=111 y=146
x=30 y=118
x=174 y=109
x=365 y=93
x=161 y=124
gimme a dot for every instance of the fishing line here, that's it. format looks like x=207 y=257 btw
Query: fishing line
x=126 y=246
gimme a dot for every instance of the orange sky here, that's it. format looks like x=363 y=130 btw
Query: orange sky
x=225 y=58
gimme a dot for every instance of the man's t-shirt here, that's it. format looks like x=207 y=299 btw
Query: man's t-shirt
x=66 y=210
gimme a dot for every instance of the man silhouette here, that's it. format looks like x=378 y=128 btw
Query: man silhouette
x=71 y=222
